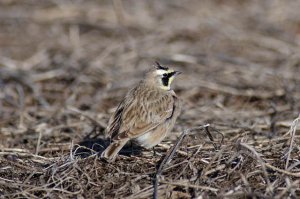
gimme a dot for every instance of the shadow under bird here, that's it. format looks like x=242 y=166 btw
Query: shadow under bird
x=147 y=113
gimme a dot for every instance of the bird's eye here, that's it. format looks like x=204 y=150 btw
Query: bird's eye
x=165 y=75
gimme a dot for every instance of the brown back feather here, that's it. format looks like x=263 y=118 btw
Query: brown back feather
x=142 y=110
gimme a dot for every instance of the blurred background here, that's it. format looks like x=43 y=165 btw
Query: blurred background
x=240 y=59
x=66 y=64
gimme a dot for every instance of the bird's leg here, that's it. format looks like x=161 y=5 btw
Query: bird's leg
x=132 y=149
x=154 y=151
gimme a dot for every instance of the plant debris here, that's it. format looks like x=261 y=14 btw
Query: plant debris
x=65 y=66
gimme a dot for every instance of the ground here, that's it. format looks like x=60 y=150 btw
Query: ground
x=65 y=66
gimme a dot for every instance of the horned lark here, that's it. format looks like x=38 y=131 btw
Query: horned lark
x=147 y=113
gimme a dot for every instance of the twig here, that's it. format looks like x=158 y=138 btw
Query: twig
x=287 y=189
x=119 y=11
x=185 y=184
x=38 y=143
x=17 y=150
x=95 y=122
x=273 y=120
x=28 y=154
x=211 y=137
x=169 y=156
x=236 y=92
x=282 y=171
x=21 y=104
x=164 y=146
x=292 y=132
x=262 y=163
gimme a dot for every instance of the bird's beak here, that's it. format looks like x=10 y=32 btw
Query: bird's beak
x=177 y=73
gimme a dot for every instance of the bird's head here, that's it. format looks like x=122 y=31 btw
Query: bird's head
x=161 y=76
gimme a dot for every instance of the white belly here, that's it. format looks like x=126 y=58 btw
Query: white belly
x=143 y=140
x=154 y=137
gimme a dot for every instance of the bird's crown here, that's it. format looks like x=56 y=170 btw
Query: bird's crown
x=160 y=67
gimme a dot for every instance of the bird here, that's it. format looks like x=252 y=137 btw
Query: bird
x=147 y=113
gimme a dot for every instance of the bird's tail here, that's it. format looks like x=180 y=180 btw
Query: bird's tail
x=113 y=149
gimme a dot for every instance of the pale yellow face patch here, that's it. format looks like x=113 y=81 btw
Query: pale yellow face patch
x=171 y=80
x=167 y=88
x=161 y=73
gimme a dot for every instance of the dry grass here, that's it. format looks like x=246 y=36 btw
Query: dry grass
x=65 y=65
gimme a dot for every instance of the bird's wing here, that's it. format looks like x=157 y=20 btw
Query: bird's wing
x=137 y=117
x=115 y=121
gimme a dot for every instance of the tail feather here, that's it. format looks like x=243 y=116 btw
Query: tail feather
x=113 y=149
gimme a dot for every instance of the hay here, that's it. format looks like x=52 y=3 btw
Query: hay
x=64 y=66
